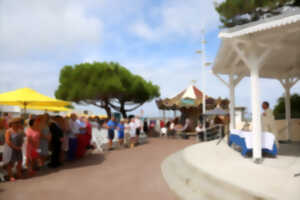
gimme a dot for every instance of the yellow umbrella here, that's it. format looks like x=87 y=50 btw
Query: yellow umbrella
x=27 y=97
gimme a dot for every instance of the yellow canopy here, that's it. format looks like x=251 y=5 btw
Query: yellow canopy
x=49 y=108
x=102 y=116
x=26 y=97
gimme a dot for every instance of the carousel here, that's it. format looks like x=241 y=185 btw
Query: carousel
x=189 y=103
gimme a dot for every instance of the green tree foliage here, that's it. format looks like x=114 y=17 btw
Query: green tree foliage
x=106 y=85
x=238 y=12
x=279 y=110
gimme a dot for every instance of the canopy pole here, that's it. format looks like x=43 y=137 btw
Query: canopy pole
x=25 y=109
x=287 y=84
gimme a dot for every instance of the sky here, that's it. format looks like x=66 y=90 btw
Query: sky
x=152 y=38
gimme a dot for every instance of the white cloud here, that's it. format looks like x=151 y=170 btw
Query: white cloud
x=178 y=18
x=143 y=30
x=32 y=26
x=34 y=74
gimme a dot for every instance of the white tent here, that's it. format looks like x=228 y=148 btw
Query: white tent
x=269 y=48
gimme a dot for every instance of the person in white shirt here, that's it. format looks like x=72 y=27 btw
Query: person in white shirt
x=268 y=121
x=199 y=131
x=163 y=131
x=132 y=132
x=171 y=128
x=138 y=128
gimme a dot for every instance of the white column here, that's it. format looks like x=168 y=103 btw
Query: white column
x=256 y=113
x=232 y=102
x=254 y=62
x=288 y=112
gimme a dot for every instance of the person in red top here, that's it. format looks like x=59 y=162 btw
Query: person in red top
x=88 y=134
x=81 y=137
x=33 y=144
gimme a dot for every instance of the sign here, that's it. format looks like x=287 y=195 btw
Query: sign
x=188 y=101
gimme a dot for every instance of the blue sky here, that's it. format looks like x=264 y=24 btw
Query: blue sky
x=156 y=39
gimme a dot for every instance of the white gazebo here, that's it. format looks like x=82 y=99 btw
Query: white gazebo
x=269 y=48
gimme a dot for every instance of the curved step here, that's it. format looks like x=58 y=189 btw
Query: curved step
x=189 y=183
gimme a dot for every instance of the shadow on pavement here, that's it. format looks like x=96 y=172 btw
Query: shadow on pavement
x=87 y=160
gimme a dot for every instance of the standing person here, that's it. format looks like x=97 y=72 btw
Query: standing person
x=56 y=141
x=12 y=152
x=172 y=131
x=2 y=131
x=45 y=139
x=88 y=135
x=81 y=138
x=145 y=126
x=33 y=144
x=126 y=133
x=111 y=125
x=161 y=124
x=132 y=131
x=65 y=143
x=138 y=127
x=74 y=131
x=200 y=131
x=268 y=121
x=121 y=128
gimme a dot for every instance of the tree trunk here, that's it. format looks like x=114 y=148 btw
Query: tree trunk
x=122 y=110
x=108 y=111
x=107 y=108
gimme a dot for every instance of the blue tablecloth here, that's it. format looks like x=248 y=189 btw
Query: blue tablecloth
x=240 y=141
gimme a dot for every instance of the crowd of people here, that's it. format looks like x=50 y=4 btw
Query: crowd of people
x=43 y=140
x=49 y=141
x=128 y=130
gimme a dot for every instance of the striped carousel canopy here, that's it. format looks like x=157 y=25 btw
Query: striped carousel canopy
x=191 y=97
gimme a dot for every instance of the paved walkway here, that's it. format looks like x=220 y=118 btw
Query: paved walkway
x=121 y=174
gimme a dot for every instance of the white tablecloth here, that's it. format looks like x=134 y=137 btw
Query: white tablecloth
x=267 y=138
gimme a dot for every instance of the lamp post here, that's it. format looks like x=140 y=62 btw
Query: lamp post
x=204 y=64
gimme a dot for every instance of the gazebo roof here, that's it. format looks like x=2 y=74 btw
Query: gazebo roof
x=276 y=39
x=265 y=49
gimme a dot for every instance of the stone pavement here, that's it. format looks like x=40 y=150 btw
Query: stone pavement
x=132 y=174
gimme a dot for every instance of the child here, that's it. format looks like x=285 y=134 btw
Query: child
x=12 y=152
